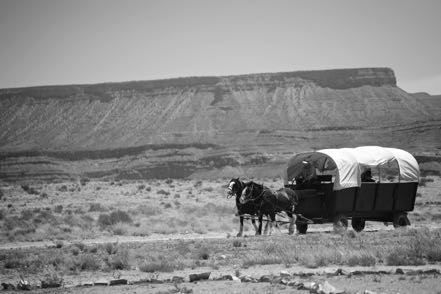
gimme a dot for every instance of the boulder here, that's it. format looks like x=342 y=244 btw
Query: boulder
x=248 y=279
x=8 y=286
x=118 y=282
x=327 y=288
x=24 y=285
x=50 y=284
x=290 y=282
x=197 y=277
x=101 y=283
x=266 y=279
x=177 y=279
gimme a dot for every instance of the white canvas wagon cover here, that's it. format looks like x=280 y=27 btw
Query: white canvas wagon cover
x=348 y=163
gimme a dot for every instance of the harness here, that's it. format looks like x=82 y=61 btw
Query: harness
x=257 y=198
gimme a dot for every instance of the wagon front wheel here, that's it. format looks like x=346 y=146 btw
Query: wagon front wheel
x=401 y=220
x=358 y=224
x=302 y=228
x=340 y=223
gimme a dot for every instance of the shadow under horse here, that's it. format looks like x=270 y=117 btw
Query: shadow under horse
x=235 y=188
x=268 y=202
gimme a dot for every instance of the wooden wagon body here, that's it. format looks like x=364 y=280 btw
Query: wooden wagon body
x=338 y=192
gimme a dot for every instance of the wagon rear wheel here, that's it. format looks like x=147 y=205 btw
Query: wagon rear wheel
x=340 y=223
x=302 y=228
x=401 y=220
x=358 y=224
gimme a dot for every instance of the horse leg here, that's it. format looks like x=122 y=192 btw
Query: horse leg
x=241 y=227
x=265 y=231
x=254 y=224
x=291 y=222
x=273 y=219
x=259 y=231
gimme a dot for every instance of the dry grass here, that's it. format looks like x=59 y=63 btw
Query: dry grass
x=67 y=213
x=123 y=208
x=407 y=247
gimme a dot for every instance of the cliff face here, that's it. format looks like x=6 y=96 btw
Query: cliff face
x=189 y=124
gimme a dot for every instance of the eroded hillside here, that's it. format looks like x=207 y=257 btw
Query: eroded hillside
x=234 y=124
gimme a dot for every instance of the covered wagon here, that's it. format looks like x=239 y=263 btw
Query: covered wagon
x=368 y=183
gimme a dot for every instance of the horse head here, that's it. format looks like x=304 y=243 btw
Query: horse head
x=234 y=188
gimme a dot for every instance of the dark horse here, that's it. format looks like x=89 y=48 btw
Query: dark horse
x=235 y=188
x=269 y=203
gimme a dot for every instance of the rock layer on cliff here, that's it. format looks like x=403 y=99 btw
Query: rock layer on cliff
x=209 y=122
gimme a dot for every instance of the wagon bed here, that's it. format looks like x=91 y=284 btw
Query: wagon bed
x=341 y=194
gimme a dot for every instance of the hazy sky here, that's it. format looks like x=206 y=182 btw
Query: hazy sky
x=69 y=42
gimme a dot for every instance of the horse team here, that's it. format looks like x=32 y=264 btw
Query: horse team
x=258 y=200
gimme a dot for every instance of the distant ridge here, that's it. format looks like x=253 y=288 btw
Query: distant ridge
x=333 y=78
x=187 y=126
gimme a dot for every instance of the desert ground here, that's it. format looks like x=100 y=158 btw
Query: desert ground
x=152 y=235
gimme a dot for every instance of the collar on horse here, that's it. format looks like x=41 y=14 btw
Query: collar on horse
x=254 y=200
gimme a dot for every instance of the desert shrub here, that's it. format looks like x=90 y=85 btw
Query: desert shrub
x=96 y=207
x=110 y=248
x=14 y=260
x=84 y=181
x=197 y=184
x=167 y=205
x=115 y=217
x=119 y=261
x=80 y=245
x=120 y=216
x=52 y=280
x=208 y=189
x=1 y=194
x=2 y=214
x=104 y=220
x=58 y=208
x=119 y=229
x=88 y=262
x=59 y=244
x=141 y=187
x=156 y=266
x=177 y=196
x=44 y=195
x=44 y=217
x=62 y=188
x=145 y=209
x=237 y=243
x=169 y=181
x=75 y=251
x=29 y=190
x=214 y=209
x=163 y=192
x=203 y=253
x=28 y=214
x=401 y=256
x=434 y=253
x=363 y=259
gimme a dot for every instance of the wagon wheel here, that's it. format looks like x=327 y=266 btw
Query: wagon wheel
x=340 y=223
x=302 y=228
x=401 y=220
x=358 y=224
